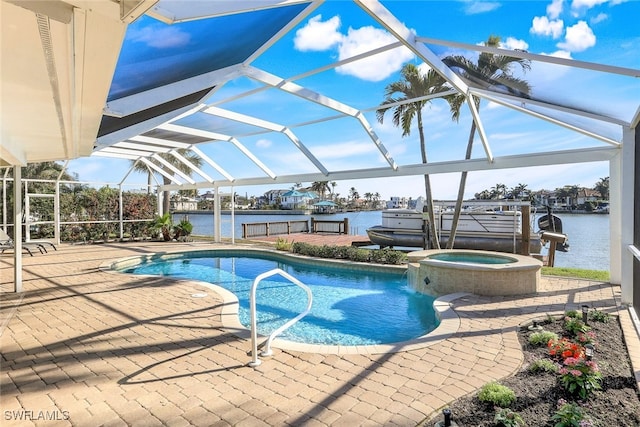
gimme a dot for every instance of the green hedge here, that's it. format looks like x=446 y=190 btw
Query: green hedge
x=378 y=256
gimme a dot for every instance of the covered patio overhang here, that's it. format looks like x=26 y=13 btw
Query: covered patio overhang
x=101 y=79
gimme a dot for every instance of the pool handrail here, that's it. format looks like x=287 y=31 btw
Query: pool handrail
x=252 y=305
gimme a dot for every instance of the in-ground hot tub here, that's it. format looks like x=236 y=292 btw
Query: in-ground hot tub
x=441 y=272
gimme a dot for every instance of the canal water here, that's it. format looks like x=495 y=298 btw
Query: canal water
x=588 y=233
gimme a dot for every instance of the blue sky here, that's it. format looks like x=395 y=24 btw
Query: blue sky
x=586 y=30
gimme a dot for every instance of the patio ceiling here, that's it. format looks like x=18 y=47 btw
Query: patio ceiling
x=97 y=91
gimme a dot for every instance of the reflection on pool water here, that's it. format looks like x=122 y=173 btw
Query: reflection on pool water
x=350 y=306
x=472 y=258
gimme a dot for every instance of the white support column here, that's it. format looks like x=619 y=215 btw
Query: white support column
x=615 y=217
x=233 y=217
x=4 y=202
x=121 y=214
x=56 y=214
x=159 y=195
x=17 y=229
x=217 y=216
x=27 y=211
x=626 y=175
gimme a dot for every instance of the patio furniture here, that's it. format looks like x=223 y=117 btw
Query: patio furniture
x=6 y=242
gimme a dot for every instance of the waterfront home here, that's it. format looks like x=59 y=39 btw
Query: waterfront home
x=296 y=199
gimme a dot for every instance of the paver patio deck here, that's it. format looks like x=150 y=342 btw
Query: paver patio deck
x=84 y=347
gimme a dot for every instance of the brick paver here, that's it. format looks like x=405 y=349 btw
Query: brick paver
x=83 y=347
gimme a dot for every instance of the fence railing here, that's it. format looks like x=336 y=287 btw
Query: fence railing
x=323 y=226
x=265 y=229
x=262 y=229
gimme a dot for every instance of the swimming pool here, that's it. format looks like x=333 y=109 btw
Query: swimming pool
x=351 y=306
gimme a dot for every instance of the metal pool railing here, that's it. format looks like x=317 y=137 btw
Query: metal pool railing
x=252 y=305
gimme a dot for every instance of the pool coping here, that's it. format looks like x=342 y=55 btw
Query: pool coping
x=449 y=319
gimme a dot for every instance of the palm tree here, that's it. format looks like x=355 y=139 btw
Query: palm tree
x=490 y=71
x=519 y=191
x=369 y=198
x=320 y=187
x=187 y=154
x=497 y=191
x=483 y=195
x=602 y=187
x=333 y=189
x=354 y=195
x=414 y=84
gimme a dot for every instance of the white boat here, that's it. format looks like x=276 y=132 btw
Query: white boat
x=478 y=228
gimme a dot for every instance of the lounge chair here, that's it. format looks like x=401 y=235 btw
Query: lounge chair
x=6 y=242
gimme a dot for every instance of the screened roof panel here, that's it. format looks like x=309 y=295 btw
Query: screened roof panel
x=294 y=97
x=155 y=54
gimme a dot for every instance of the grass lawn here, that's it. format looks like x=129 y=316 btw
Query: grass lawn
x=597 y=275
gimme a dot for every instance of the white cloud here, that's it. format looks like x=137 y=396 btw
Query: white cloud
x=542 y=73
x=377 y=67
x=318 y=35
x=263 y=143
x=588 y=4
x=599 y=18
x=513 y=44
x=560 y=54
x=555 y=9
x=160 y=37
x=424 y=68
x=541 y=25
x=578 y=37
x=476 y=7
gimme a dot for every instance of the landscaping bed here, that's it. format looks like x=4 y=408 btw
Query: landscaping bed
x=540 y=396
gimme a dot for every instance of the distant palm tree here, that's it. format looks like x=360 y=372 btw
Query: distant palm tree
x=602 y=187
x=489 y=71
x=376 y=199
x=519 y=191
x=187 y=154
x=320 y=187
x=333 y=189
x=497 y=191
x=483 y=195
x=369 y=198
x=414 y=84
x=354 y=195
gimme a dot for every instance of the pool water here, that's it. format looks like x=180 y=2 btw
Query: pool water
x=472 y=258
x=350 y=306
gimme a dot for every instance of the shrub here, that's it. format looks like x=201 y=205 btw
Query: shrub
x=302 y=248
x=575 y=326
x=283 y=244
x=573 y=314
x=496 y=394
x=543 y=365
x=380 y=256
x=507 y=418
x=570 y=415
x=361 y=255
x=579 y=376
x=182 y=229
x=599 y=316
x=542 y=338
x=394 y=257
x=163 y=225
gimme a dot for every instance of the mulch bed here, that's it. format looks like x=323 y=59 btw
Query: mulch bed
x=616 y=404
